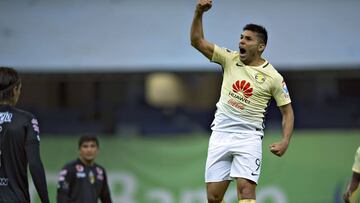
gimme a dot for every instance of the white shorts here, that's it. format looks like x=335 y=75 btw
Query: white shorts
x=233 y=155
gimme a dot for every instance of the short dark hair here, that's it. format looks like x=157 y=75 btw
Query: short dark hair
x=260 y=30
x=87 y=138
x=9 y=78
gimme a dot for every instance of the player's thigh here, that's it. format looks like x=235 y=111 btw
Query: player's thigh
x=247 y=161
x=219 y=159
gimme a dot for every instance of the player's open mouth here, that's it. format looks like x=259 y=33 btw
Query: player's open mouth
x=242 y=51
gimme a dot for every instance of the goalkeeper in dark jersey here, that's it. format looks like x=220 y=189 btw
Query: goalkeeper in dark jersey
x=82 y=180
x=19 y=145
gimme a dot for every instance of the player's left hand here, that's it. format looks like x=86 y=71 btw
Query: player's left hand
x=279 y=148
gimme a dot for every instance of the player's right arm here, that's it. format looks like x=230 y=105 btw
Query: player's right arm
x=197 y=34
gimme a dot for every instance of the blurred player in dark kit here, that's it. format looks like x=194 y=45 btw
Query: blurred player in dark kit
x=83 y=180
x=19 y=145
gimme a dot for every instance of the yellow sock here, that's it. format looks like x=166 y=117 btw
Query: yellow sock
x=223 y=201
x=247 y=201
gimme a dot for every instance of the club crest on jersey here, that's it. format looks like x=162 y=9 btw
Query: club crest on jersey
x=91 y=177
x=243 y=87
x=260 y=78
x=5 y=117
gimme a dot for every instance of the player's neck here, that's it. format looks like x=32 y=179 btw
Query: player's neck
x=86 y=162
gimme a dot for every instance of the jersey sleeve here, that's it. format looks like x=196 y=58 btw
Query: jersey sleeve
x=280 y=91
x=221 y=55
x=105 y=193
x=356 y=165
x=63 y=188
x=36 y=167
x=32 y=131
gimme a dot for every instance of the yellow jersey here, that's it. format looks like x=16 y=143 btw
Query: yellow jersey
x=246 y=92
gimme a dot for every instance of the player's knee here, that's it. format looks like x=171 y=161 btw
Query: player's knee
x=246 y=189
x=214 y=198
x=247 y=193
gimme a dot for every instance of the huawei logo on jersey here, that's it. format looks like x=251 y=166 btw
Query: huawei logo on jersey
x=243 y=87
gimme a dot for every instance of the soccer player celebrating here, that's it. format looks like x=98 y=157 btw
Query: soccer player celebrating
x=19 y=144
x=82 y=180
x=355 y=179
x=249 y=83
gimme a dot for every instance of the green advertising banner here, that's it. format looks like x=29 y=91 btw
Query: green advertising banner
x=315 y=169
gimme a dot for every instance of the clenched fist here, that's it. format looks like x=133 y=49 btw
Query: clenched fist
x=279 y=148
x=204 y=5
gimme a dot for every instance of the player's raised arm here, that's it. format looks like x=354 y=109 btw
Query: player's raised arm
x=197 y=34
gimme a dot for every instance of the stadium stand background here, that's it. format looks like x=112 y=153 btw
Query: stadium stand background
x=118 y=103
